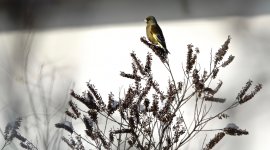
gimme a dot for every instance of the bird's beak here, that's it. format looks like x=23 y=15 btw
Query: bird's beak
x=145 y=20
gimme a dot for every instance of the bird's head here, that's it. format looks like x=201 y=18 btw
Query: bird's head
x=150 y=19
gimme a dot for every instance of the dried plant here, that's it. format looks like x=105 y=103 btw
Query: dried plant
x=11 y=132
x=148 y=116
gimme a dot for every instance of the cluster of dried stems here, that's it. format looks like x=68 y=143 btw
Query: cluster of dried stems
x=11 y=132
x=146 y=117
x=151 y=118
x=37 y=124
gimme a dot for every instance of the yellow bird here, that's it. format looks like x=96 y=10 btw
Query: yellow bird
x=154 y=33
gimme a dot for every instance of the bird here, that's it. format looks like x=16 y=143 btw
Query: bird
x=154 y=33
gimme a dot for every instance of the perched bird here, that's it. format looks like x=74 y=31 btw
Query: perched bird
x=154 y=33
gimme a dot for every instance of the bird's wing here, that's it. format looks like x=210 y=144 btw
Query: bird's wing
x=158 y=35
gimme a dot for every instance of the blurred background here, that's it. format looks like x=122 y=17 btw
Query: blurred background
x=48 y=47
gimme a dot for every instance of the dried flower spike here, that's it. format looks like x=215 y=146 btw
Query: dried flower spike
x=130 y=76
x=214 y=141
x=155 y=86
x=154 y=108
x=233 y=129
x=148 y=63
x=88 y=122
x=70 y=114
x=129 y=97
x=199 y=85
x=70 y=142
x=138 y=63
x=214 y=99
x=97 y=96
x=67 y=125
x=74 y=108
x=112 y=104
x=215 y=72
x=251 y=95
x=156 y=49
x=10 y=130
x=190 y=59
x=222 y=51
x=87 y=99
x=227 y=62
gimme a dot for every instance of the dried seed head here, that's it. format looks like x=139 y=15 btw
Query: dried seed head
x=20 y=137
x=138 y=63
x=74 y=108
x=89 y=124
x=122 y=131
x=155 y=107
x=111 y=137
x=87 y=99
x=70 y=114
x=67 y=125
x=214 y=99
x=199 y=84
x=251 y=95
x=180 y=87
x=155 y=85
x=103 y=141
x=145 y=90
x=112 y=104
x=135 y=112
x=222 y=51
x=70 y=142
x=190 y=59
x=227 y=62
x=129 y=98
x=163 y=55
x=97 y=96
x=131 y=122
x=215 y=72
x=11 y=129
x=130 y=76
x=244 y=90
x=223 y=115
x=232 y=129
x=204 y=76
x=148 y=64
x=214 y=141
x=93 y=115
x=146 y=104
x=218 y=86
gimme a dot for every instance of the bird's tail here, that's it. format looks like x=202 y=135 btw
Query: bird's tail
x=166 y=50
